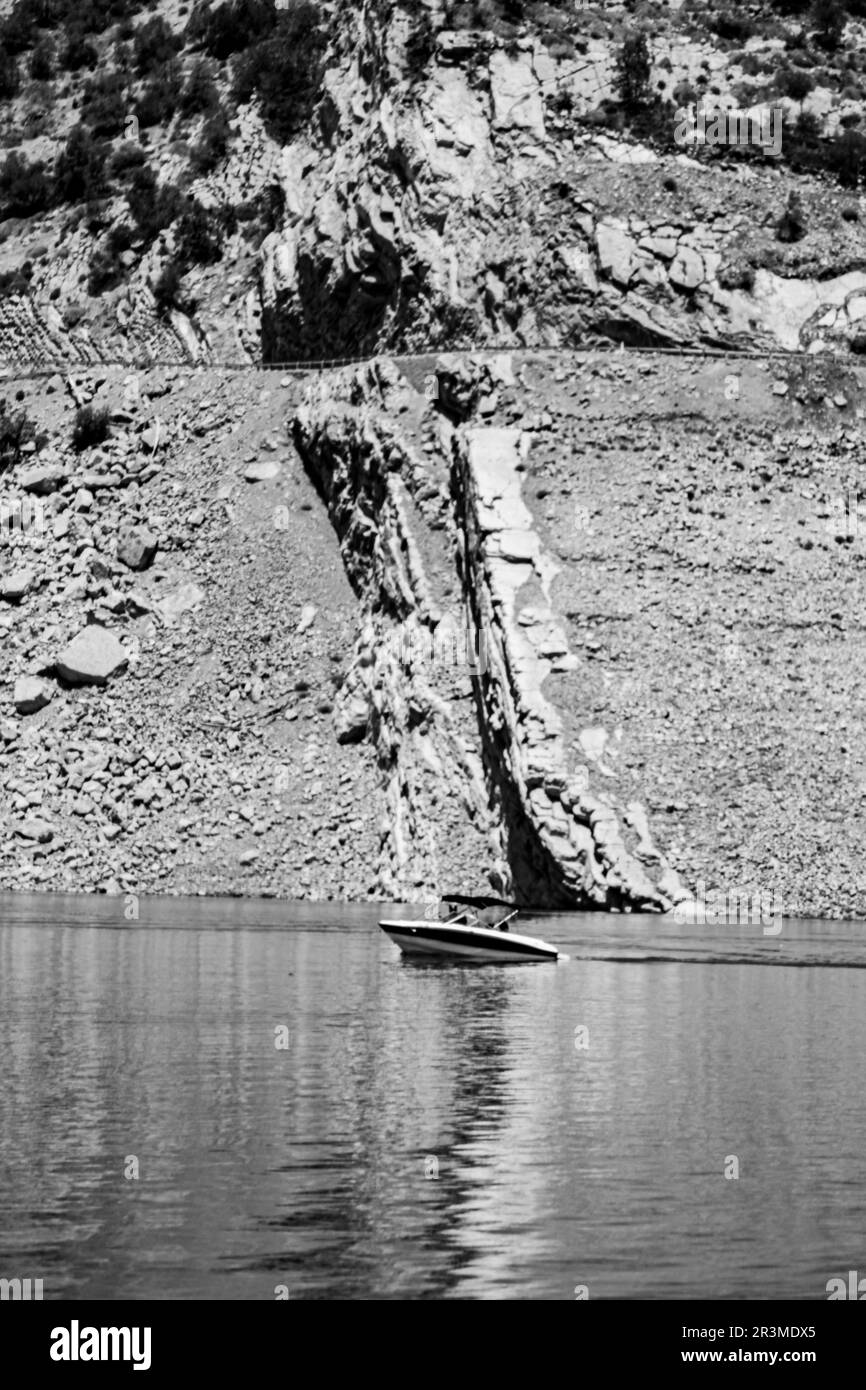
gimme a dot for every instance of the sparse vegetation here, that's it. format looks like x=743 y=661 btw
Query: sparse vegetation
x=154 y=45
x=231 y=27
x=153 y=207
x=199 y=235
x=16 y=281
x=106 y=270
x=105 y=105
x=79 y=171
x=78 y=53
x=16 y=430
x=829 y=18
x=212 y=143
x=792 y=224
x=25 y=188
x=92 y=424
x=125 y=158
x=10 y=82
x=795 y=83
x=736 y=27
x=421 y=43
x=285 y=70
x=160 y=97
x=633 y=69
x=737 y=276
x=168 y=289
x=199 y=96
x=42 y=61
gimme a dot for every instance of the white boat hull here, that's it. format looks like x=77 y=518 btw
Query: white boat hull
x=422 y=938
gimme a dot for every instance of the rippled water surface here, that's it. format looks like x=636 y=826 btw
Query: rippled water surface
x=429 y=1131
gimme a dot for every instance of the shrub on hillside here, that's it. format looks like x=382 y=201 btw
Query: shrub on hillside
x=846 y=157
x=199 y=235
x=792 y=224
x=16 y=430
x=125 y=158
x=158 y=102
x=730 y=25
x=285 y=70
x=17 y=31
x=25 y=188
x=633 y=68
x=79 y=170
x=829 y=18
x=153 y=207
x=168 y=290
x=16 y=281
x=421 y=43
x=230 y=27
x=737 y=276
x=154 y=45
x=104 y=104
x=78 y=53
x=751 y=63
x=271 y=207
x=10 y=79
x=91 y=426
x=795 y=83
x=212 y=143
x=807 y=128
x=199 y=96
x=684 y=94
x=42 y=61
x=106 y=270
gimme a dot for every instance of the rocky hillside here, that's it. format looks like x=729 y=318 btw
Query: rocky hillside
x=585 y=628
x=558 y=592
x=244 y=181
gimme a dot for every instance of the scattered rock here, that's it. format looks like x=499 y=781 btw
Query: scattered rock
x=262 y=472
x=687 y=269
x=15 y=585
x=33 y=829
x=42 y=479
x=91 y=658
x=32 y=694
x=137 y=548
x=307 y=618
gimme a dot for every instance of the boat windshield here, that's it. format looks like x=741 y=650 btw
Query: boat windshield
x=455 y=913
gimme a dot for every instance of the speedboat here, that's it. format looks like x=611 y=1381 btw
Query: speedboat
x=462 y=934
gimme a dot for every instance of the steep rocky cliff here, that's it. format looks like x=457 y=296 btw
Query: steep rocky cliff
x=487 y=190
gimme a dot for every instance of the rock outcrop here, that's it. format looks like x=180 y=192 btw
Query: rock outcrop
x=558 y=842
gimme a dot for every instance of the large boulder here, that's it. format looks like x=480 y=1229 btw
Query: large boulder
x=617 y=250
x=14 y=586
x=517 y=102
x=43 y=478
x=136 y=548
x=352 y=720
x=687 y=270
x=91 y=658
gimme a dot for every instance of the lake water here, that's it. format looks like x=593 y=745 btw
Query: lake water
x=428 y=1131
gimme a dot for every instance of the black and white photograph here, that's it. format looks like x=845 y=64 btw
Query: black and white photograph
x=433 y=681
